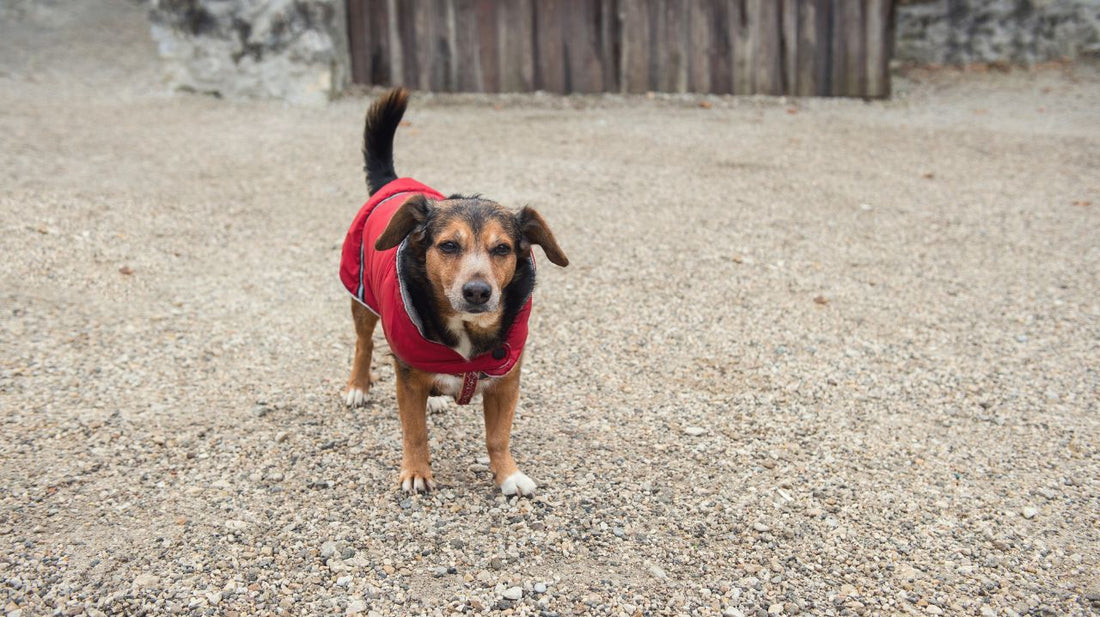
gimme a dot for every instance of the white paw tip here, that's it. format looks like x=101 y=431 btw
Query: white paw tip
x=518 y=484
x=437 y=404
x=355 y=397
x=417 y=485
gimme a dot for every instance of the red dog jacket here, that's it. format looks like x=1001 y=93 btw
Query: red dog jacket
x=371 y=277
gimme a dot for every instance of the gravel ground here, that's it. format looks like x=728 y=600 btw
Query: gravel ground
x=819 y=357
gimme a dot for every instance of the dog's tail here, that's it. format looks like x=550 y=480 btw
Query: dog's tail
x=382 y=119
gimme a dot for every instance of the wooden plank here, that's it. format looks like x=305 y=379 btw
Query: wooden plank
x=889 y=43
x=836 y=82
x=676 y=44
x=488 y=46
x=635 y=45
x=826 y=10
x=607 y=44
x=436 y=39
x=878 y=20
x=516 y=40
x=381 y=68
x=406 y=35
x=767 y=77
x=423 y=18
x=743 y=44
x=447 y=41
x=467 y=47
x=851 y=61
x=699 y=45
x=393 y=43
x=788 y=45
x=549 y=47
x=808 y=55
x=583 y=72
x=358 y=46
x=721 y=53
x=658 y=46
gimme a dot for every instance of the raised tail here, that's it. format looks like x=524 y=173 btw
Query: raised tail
x=383 y=117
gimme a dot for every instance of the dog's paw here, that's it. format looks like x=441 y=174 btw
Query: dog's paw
x=355 y=397
x=414 y=482
x=437 y=404
x=518 y=484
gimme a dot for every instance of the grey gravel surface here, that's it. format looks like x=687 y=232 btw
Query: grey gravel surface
x=813 y=357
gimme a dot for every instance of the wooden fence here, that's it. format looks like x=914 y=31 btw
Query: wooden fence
x=793 y=47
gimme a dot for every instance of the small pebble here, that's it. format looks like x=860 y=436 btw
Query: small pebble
x=540 y=587
x=695 y=431
x=513 y=593
x=142 y=581
x=1029 y=512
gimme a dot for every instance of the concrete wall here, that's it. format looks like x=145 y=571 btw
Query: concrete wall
x=294 y=50
x=1014 y=31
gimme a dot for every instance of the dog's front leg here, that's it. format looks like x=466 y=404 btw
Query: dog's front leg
x=500 y=407
x=413 y=388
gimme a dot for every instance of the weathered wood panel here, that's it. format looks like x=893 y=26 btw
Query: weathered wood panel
x=743 y=13
x=549 y=45
x=767 y=78
x=634 y=47
x=721 y=53
x=793 y=47
x=583 y=62
x=788 y=52
x=879 y=21
x=700 y=48
x=516 y=42
x=608 y=44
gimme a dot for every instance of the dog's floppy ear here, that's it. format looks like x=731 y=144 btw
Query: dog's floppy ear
x=536 y=231
x=410 y=214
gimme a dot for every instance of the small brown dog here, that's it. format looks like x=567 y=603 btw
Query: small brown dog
x=451 y=281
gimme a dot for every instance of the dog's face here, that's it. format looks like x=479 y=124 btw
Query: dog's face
x=472 y=255
x=470 y=248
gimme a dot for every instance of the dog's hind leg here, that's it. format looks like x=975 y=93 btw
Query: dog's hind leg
x=360 y=379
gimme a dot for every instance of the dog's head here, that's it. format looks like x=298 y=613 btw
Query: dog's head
x=470 y=249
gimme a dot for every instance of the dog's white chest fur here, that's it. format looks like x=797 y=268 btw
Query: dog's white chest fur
x=451 y=385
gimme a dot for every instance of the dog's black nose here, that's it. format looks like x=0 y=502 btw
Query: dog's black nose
x=477 y=292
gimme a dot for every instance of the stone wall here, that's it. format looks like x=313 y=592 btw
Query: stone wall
x=294 y=50
x=995 y=31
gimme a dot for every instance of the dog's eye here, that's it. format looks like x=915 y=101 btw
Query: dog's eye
x=448 y=247
x=502 y=250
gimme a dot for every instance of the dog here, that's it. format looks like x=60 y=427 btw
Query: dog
x=451 y=279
